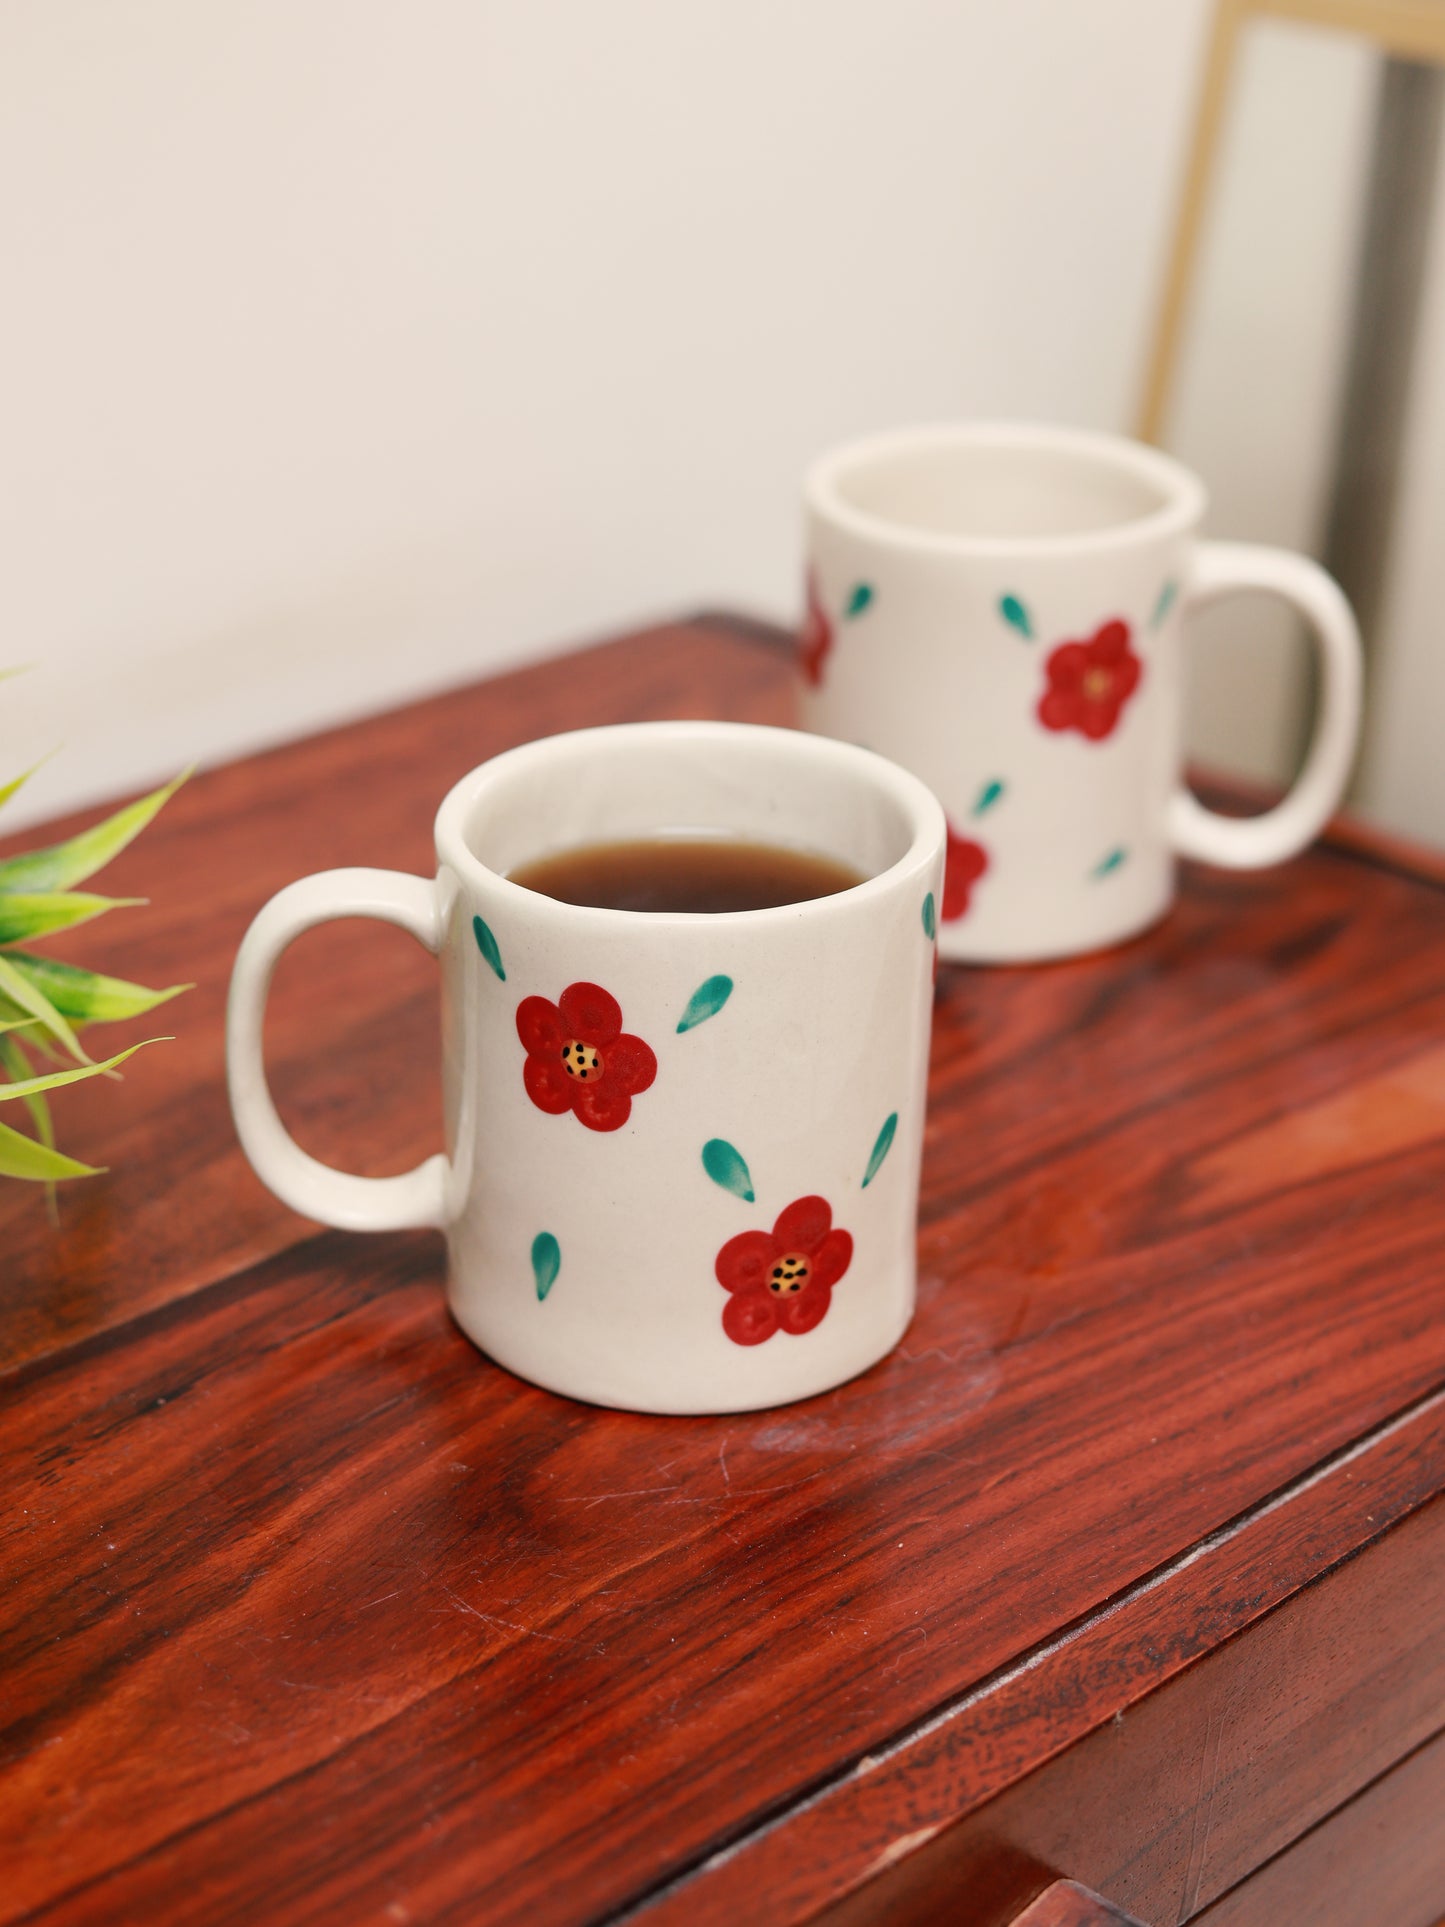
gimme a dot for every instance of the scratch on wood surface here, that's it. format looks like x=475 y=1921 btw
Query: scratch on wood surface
x=897 y=1849
x=596 y=1498
x=490 y=1619
x=1202 y=1820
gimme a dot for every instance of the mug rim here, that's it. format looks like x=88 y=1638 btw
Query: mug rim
x=1183 y=510
x=921 y=809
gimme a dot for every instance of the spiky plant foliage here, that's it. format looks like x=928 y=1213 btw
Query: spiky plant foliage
x=45 y=1004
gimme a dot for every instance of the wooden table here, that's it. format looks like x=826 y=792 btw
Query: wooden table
x=1128 y=1566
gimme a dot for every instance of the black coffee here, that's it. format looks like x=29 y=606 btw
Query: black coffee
x=685 y=873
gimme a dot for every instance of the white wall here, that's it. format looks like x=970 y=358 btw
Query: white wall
x=1256 y=401
x=351 y=348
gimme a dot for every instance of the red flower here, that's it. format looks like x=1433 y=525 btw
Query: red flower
x=964 y=863
x=580 y=1059
x=1090 y=682
x=783 y=1277
x=816 y=636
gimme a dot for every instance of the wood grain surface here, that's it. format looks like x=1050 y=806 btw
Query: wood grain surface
x=1379 y=1860
x=1064 y=1903
x=313 y=1615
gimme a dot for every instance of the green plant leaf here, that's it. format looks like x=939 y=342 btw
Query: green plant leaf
x=930 y=920
x=64 y=864
x=989 y=795
x=1164 y=603
x=546 y=1262
x=52 y=1080
x=12 y=1056
x=84 y=996
x=858 y=601
x=487 y=944
x=706 y=1001
x=25 y=915
x=19 y=991
x=24 y=1157
x=881 y=1147
x=18 y=782
x=725 y=1166
x=1109 y=863
x=1016 y=615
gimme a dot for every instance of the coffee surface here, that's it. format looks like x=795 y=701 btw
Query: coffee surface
x=692 y=873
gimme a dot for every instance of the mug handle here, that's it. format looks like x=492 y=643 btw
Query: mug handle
x=315 y=1189
x=1251 y=842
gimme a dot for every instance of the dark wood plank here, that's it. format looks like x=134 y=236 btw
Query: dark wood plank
x=352 y=1033
x=370 y=1589
x=1379 y=1860
x=1066 y=1904
x=1168 y=1807
x=313 y=1615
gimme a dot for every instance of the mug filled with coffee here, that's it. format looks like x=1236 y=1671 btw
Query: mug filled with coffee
x=686 y=995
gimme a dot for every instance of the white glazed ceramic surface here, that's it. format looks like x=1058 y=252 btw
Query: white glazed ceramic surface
x=781 y=1053
x=999 y=609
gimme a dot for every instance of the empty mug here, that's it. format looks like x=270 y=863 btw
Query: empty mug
x=999 y=609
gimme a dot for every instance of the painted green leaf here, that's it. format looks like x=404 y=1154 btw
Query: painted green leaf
x=546 y=1261
x=28 y=1087
x=65 y=864
x=860 y=598
x=487 y=944
x=1164 y=604
x=880 y=1148
x=930 y=920
x=84 y=996
x=989 y=795
x=725 y=1166
x=706 y=1001
x=1110 y=862
x=28 y=997
x=1016 y=615
x=25 y=914
x=24 y=1157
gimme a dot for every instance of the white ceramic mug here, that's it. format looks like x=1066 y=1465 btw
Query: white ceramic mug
x=682 y=1149
x=999 y=609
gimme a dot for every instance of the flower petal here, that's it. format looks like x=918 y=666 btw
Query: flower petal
x=1127 y=672
x=590 y=1014
x=809 y=1308
x=601 y=1107
x=744 y=1261
x=1066 y=666
x=548 y=1085
x=750 y=1318
x=539 y=1025
x=1111 y=641
x=803 y=1225
x=830 y=1261
x=1097 y=720
x=1056 y=709
x=629 y=1065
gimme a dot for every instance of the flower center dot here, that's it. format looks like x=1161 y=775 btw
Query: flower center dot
x=789 y=1274
x=1098 y=683
x=581 y=1061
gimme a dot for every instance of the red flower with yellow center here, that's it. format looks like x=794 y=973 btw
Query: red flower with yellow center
x=580 y=1059
x=783 y=1279
x=815 y=638
x=1090 y=682
x=964 y=863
